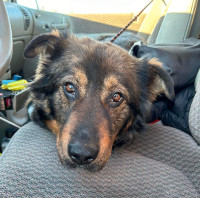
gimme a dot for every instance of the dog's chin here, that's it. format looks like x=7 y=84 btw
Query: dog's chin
x=90 y=167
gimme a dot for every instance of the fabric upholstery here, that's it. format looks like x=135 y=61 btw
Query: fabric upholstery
x=172 y=147
x=162 y=162
x=152 y=20
x=197 y=81
x=177 y=23
x=194 y=115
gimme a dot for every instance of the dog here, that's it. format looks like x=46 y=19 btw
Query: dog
x=91 y=94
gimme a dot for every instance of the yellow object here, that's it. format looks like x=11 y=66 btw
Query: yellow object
x=15 y=86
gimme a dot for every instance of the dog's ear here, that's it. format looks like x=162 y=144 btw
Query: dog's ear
x=155 y=79
x=45 y=44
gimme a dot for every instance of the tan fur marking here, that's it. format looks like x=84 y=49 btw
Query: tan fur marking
x=82 y=81
x=118 y=116
x=43 y=59
x=155 y=61
x=110 y=81
x=130 y=122
x=52 y=125
x=105 y=143
x=28 y=101
x=81 y=77
x=62 y=96
x=46 y=106
x=64 y=138
x=55 y=33
x=157 y=86
x=74 y=58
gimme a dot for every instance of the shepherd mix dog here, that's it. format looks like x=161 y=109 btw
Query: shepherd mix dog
x=92 y=95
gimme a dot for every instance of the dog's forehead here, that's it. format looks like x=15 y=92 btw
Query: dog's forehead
x=94 y=51
x=97 y=60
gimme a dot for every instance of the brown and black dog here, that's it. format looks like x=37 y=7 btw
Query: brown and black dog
x=91 y=95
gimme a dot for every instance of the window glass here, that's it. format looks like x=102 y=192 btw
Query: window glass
x=28 y=3
x=86 y=6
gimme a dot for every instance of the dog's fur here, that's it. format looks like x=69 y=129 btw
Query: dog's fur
x=97 y=71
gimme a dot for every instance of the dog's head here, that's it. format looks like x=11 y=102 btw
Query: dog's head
x=89 y=93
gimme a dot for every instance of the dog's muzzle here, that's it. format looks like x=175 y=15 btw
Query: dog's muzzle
x=82 y=153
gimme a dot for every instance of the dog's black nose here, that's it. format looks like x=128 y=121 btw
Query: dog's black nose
x=82 y=154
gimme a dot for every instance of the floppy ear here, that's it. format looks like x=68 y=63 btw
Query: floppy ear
x=45 y=44
x=155 y=79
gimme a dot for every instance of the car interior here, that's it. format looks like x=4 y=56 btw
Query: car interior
x=163 y=161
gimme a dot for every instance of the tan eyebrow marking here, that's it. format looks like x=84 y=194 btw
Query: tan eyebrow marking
x=79 y=78
x=110 y=82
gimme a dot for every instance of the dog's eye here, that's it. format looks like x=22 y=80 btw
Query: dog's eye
x=70 y=88
x=117 y=97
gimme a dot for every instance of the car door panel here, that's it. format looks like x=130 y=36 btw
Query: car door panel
x=47 y=21
x=22 y=28
x=27 y=23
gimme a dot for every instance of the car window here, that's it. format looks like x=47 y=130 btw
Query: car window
x=86 y=6
x=28 y=3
